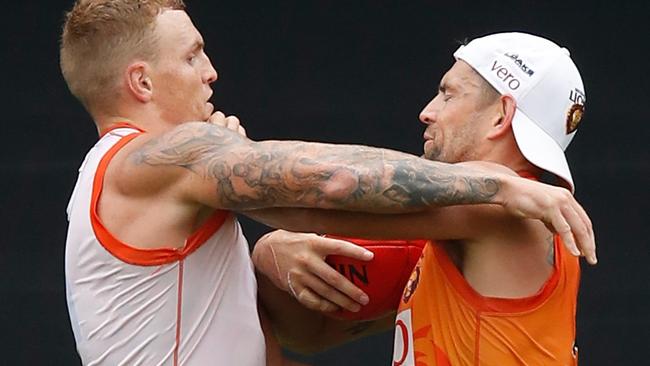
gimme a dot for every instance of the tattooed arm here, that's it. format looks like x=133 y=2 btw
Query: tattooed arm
x=213 y=166
x=237 y=173
x=242 y=174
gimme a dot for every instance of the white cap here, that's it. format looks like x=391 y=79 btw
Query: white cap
x=547 y=87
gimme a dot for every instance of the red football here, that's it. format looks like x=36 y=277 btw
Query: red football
x=383 y=278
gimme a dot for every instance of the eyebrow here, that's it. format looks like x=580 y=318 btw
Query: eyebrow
x=444 y=87
x=198 y=45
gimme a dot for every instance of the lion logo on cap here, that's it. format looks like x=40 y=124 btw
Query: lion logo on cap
x=574 y=116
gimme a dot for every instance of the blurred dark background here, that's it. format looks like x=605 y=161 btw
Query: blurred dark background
x=336 y=71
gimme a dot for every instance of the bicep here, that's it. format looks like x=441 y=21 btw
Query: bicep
x=216 y=167
x=197 y=162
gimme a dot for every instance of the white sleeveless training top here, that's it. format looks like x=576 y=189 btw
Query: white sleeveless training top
x=194 y=305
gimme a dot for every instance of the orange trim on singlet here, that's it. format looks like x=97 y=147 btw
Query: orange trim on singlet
x=528 y=175
x=139 y=256
x=179 y=308
x=124 y=124
x=497 y=304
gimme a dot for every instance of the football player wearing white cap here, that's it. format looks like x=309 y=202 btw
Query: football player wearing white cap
x=491 y=290
x=546 y=88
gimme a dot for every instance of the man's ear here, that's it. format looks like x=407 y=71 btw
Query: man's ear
x=502 y=122
x=138 y=82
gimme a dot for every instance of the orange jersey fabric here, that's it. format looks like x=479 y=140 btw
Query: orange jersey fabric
x=442 y=321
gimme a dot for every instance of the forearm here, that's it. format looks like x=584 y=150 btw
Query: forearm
x=361 y=178
x=439 y=223
x=250 y=175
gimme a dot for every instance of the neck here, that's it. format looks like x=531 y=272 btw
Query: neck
x=507 y=153
x=143 y=118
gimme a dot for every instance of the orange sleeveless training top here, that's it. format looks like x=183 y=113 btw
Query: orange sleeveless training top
x=442 y=321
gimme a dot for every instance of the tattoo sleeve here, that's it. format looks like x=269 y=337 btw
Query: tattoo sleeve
x=250 y=175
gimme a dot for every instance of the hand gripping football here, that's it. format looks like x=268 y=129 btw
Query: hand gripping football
x=382 y=279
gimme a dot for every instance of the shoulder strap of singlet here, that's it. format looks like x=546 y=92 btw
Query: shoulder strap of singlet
x=123 y=124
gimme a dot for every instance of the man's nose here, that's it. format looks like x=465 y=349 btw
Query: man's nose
x=211 y=75
x=428 y=114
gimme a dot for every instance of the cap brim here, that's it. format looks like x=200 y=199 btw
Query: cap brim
x=540 y=149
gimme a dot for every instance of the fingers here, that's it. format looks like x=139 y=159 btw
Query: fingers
x=314 y=273
x=563 y=228
x=329 y=293
x=323 y=280
x=314 y=302
x=333 y=279
x=311 y=296
x=559 y=211
x=574 y=227
x=231 y=122
x=329 y=246
x=218 y=118
x=582 y=231
x=592 y=258
x=300 y=264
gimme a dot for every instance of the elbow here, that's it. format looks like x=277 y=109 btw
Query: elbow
x=340 y=187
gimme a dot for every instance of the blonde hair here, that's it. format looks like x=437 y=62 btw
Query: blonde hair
x=100 y=38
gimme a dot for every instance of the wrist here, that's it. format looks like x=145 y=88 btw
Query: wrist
x=265 y=261
x=503 y=188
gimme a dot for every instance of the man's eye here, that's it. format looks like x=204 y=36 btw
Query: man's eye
x=191 y=59
x=446 y=97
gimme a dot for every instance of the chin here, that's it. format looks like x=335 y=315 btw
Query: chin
x=433 y=154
